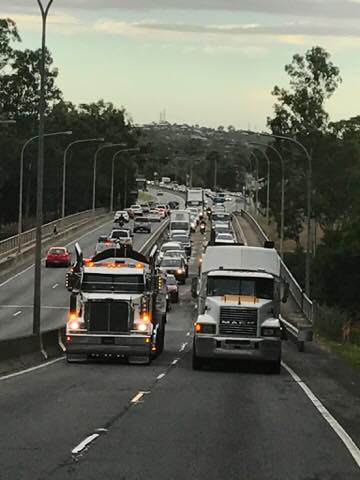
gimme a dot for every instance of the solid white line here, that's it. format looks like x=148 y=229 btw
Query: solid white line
x=48 y=307
x=17 y=313
x=174 y=362
x=32 y=369
x=159 y=377
x=67 y=245
x=183 y=346
x=55 y=286
x=324 y=412
x=85 y=443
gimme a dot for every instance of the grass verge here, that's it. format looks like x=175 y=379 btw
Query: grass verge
x=347 y=351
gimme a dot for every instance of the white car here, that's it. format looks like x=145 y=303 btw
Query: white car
x=121 y=213
x=137 y=210
x=122 y=236
x=169 y=246
x=224 y=238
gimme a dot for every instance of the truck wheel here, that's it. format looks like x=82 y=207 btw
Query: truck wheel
x=197 y=362
x=275 y=367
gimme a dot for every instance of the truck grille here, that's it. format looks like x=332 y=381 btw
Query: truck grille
x=109 y=317
x=238 y=321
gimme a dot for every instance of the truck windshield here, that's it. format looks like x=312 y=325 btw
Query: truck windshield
x=179 y=226
x=94 y=282
x=258 y=287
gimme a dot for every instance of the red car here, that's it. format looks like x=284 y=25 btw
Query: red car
x=59 y=256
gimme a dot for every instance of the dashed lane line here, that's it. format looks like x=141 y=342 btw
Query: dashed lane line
x=183 y=346
x=159 y=377
x=16 y=314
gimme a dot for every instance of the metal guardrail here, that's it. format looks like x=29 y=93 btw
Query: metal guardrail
x=301 y=299
x=150 y=242
x=11 y=244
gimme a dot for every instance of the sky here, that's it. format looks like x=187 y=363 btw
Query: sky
x=207 y=62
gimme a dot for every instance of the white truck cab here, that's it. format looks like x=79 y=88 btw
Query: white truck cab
x=239 y=293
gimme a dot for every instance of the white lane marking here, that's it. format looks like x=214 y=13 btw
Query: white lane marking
x=174 y=362
x=324 y=412
x=67 y=245
x=183 y=346
x=55 y=286
x=159 y=377
x=188 y=334
x=19 y=312
x=85 y=443
x=138 y=397
x=32 y=369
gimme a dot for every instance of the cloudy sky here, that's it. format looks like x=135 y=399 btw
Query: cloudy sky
x=210 y=62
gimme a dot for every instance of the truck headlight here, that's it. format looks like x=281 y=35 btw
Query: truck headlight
x=270 y=332
x=75 y=325
x=207 y=328
x=179 y=271
x=142 y=327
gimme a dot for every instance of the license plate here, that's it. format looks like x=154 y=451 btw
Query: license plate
x=239 y=344
x=108 y=340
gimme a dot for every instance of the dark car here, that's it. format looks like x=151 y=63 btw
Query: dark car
x=142 y=224
x=174 y=205
x=172 y=288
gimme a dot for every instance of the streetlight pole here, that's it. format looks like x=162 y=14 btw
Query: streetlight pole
x=66 y=151
x=21 y=179
x=282 y=218
x=309 y=197
x=268 y=182
x=113 y=172
x=40 y=173
x=108 y=145
x=256 y=181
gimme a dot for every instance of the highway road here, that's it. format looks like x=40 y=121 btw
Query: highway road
x=168 y=422
x=16 y=293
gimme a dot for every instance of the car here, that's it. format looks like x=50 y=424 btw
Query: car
x=169 y=246
x=121 y=236
x=172 y=288
x=121 y=213
x=104 y=243
x=160 y=194
x=161 y=212
x=174 y=266
x=165 y=208
x=137 y=210
x=184 y=240
x=154 y=215
x=145 y=208
x=58 y=256
x=142 y=224
x=179 y=254
x=130 y=212
x=174 y=205
x=224 y=238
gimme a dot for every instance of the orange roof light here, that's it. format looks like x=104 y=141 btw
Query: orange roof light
x=197 y=327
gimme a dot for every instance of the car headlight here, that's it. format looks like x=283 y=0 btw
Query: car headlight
x=270 y=332
x=205 y=328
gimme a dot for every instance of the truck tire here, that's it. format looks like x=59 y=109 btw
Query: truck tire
x=275 y=367
x=197 y=362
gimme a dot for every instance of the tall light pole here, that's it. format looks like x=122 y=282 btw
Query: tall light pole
x=266 y=156
x=108 y=145
x=21 y=179
x=40 y=173
x=256 y=181
x=66 y=151
x=282 y=214
x=126 y=150
x=308 y=194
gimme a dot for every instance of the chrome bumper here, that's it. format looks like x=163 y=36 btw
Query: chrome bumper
x=109 y=345
x=265 y=349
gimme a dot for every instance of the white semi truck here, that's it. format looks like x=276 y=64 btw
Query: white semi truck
x=239 y=294
x=117 y=307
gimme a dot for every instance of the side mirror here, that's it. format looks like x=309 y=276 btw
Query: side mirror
x=285 y=293
x=194 y=287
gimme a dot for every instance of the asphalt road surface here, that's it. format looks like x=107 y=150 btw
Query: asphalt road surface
x=168 y=422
